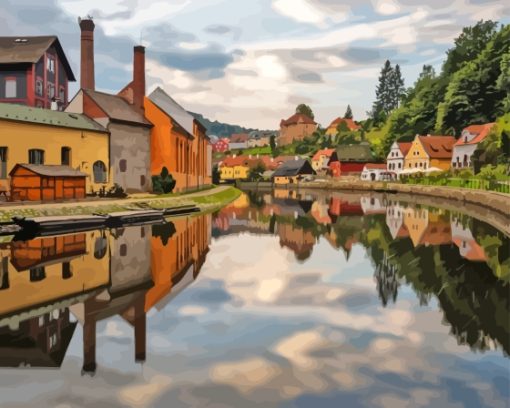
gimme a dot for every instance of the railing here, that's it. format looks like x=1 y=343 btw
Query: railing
x=476 y=184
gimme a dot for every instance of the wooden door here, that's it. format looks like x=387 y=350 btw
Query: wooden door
x=59 y=188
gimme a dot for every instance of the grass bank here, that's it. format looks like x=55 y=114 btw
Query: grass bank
x=207 y=200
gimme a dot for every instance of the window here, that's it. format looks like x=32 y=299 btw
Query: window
x=99 y=170
x=3 y=162
x=66 y=270
x=39 y=87
x=100 y=248
x=123 y=165
x=123 y=250
x=37 y=274
x=36 y=156
x=65 y=156
x=51 y=91
x=50 y=64
x=142 y=180
x=400 y=165
x=62 y=94
x=10 y=88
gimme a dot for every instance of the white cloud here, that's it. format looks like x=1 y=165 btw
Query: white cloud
x=300 y=10
x=387 y=7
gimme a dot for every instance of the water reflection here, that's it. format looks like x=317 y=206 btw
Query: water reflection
x=459 y=261
x=92 y=276
x=303 y=300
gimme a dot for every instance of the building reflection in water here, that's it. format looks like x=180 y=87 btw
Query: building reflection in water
x=92 y=276
x=460 y=261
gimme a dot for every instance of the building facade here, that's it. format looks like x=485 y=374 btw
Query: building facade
x=350 y=125
x=46 y=137
x=321 y=159
x=467 y=143
x=430 y=152
x=396 y=157
x=297 y=127
x=34 y=71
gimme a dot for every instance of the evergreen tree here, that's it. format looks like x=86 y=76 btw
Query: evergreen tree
x=348 y=112
x=383 y=94
x=397 y=89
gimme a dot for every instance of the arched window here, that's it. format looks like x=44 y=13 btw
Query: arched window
x=100 y=248
x=36 y=156
x=99 y=170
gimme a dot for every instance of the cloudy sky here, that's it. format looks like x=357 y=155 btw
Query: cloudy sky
x=251 y=62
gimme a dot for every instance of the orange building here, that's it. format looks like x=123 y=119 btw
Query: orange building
x=177 y=254
x=297 y=127
x=178 y=142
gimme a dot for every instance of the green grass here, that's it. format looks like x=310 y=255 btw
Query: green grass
x=205 y=203
x=472 y=183
x=258 y=150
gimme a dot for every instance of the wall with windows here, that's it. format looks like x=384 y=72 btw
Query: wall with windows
x=13 y=86
x=24 y=142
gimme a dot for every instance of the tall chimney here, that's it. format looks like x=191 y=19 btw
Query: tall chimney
x=87 y=54
x=138 y=76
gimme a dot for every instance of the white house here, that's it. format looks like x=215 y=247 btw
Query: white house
x=375 y=172
x=466 y=145
x=395 y=219
x=396 y=156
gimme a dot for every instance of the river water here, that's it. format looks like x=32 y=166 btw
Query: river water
x=279 y=299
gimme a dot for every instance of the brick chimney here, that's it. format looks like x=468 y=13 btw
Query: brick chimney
x=87 y=54
x=138 y=84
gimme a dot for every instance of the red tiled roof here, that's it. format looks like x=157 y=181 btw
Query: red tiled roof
x=375 y=166
x=480 y=132
x=404 y=147
x=324 y=152
x=297 y=118
x=438 y=147
x=349 y=122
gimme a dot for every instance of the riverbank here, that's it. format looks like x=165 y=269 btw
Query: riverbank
x=206 y=200
x=493 y=201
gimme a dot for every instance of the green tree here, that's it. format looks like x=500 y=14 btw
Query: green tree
x=397 y=88
x=503 y=82
x=272 y=144
x=256 y=172
x=470 y=43
x=348 y=112
x=383 y=92
x=305 y=110
x=215 y=175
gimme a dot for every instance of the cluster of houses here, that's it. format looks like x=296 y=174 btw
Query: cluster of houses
x=428 y=154
x=241 y=141
x=55 y=147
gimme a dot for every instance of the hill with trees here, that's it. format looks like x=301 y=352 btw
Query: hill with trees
x=221 y=129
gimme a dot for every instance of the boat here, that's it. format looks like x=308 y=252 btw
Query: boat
x=181 y=210
x=123 y=218
x=44 y=226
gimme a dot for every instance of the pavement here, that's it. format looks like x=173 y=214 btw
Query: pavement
x=132 y=199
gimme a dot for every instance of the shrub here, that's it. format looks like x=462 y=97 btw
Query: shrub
x=164 y=183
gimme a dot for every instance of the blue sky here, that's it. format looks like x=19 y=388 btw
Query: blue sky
x=251 y=62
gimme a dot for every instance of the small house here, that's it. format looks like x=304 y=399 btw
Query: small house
x=297 y=127
x=430 y=152
x=350 y=125
x=396 y=156
x=321 y=160
x=466 y=145
x=292 y=172
x=376 y=172
x=33 y=182
x=238 y=141
x=351 y=159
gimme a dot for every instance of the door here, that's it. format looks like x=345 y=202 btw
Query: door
x=59 y=188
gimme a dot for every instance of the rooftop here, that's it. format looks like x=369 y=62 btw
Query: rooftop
x=168 y=105
x=293 y=168
x=51 y=170
x=21 y=113
x=29 y=50
x=479 y=131
x=438 y=147
x=298 y=118
x=355 y=152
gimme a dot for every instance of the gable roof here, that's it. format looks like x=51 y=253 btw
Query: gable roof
x=29 y=50
x=239 y=138
x=349 y=122
x=355 y=152
x=50 y=170
x=298 y=118
x=480 y=132
x=437 y=147
x=404 y=147
x=293 y=168
x=117 y=108
x=22 y=113
x=169 y=106
x=323 y=152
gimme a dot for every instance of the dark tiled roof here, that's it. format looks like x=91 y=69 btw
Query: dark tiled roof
x=22 y=49
x=293 y=168
x=360 y=152
x=117 y=108
x=21 y=113
x=51 y=170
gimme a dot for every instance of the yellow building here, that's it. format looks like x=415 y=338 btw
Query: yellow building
x=235 y=168
x=42 y=136
x=292 y=171
x=430 y=151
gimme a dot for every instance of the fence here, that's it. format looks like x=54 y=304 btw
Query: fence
x=477 y=184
